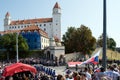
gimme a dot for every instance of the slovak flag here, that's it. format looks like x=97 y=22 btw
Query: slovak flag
x=94 y=59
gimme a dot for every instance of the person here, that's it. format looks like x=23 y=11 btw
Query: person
x=10 y=78
x=75 y=76
x=60 y=77
x=100 y=74
x=103 y=78
x=87 y=73
x=83 y=76
x=44 y=77
x=67 y=77
x=115 y=67
x=1 y=70
x=112 y=74
x=25 y=77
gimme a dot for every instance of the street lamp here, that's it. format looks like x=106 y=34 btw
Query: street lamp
x=104 y=35
x=17 y=47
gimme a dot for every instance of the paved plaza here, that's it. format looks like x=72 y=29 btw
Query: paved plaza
x=59 y=69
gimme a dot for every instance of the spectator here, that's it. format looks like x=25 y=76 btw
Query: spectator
x=75 y=74
x=83 y=76
x=112 y=74
x=115 y=67
x=60 y=77
x=99 y=75
x=87 y=73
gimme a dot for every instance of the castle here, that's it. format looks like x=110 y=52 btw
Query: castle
x=39 y=32
x=52 y=26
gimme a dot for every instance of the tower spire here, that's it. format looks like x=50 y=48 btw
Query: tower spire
x=56 y=5
x=7 y=14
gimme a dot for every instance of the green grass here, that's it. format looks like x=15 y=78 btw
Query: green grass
x=111 y=55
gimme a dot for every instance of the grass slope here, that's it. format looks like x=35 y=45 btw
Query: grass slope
x=111 y=55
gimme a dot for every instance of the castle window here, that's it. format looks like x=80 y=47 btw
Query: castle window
x=9 y=27
x=44 y=29
x=44 y=24
x=50 y=24
x=42 y=39
x=18 y=26
x=56 y=24
x=15 y=26
x=40 y=25
x=21 y=26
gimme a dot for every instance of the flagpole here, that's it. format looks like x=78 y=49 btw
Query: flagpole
x=17 y=47
x=104 y=60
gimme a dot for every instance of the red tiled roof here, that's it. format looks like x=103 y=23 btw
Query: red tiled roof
x=30 y=28
x=7 y=14
x=33 y=28
x=57 y=5
x=31 y=21
x=9 y=31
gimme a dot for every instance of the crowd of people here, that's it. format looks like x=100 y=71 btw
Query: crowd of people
x=45 y=62
x=84 y=73
x=44 y=72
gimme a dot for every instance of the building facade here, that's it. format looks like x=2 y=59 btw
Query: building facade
x=40 y=33
x=52 y=25
x=36 y=38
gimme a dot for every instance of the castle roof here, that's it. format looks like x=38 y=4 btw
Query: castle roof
x=7 y=14
x=57 y=5
x=9 y=31
x=31 y=21
x=31 y=28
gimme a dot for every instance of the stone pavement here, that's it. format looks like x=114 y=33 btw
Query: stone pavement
x=59 y=69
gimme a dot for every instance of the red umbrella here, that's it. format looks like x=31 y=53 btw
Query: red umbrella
x=18 y=67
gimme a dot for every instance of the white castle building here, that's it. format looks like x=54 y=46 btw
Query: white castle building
x=52 y=26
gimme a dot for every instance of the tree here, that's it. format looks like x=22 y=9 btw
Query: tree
x=8 y=42
x=80 y=40
x=68 y=39
x=111 y=44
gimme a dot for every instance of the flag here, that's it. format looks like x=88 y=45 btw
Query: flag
x=94 y=59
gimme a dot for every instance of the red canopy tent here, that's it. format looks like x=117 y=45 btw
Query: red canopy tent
x=18 y=67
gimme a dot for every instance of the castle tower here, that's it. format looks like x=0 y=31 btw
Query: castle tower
x=56 y=21
x=7 y=21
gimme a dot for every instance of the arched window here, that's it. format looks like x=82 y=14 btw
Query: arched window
x=44 y=29
x=44 y=24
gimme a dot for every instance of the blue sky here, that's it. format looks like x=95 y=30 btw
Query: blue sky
x=74 y=13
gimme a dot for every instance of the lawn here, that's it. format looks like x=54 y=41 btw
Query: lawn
x=111 y=55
